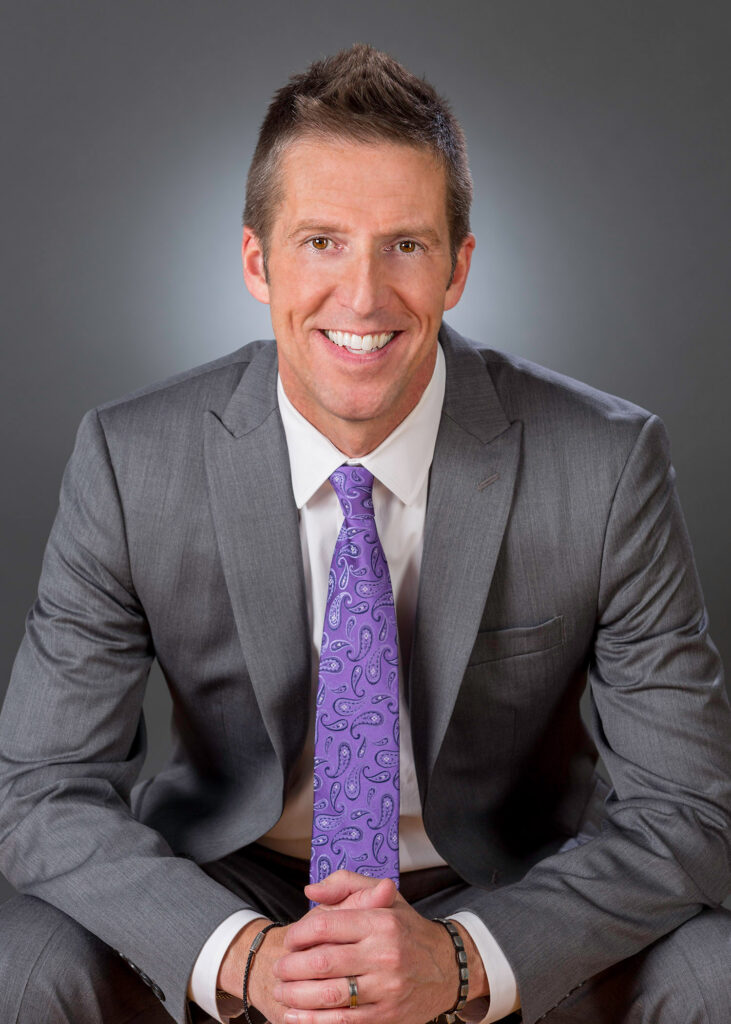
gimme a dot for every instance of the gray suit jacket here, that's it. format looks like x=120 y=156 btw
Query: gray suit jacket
x=554 y=551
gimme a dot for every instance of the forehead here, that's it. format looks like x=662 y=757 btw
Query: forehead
x=381 y=185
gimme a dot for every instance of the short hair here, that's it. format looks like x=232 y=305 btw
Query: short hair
x=361 y=95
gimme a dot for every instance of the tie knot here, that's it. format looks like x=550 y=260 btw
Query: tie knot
x=354 y=488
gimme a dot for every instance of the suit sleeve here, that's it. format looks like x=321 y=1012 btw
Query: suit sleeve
x=662 y=726
x=72 y=743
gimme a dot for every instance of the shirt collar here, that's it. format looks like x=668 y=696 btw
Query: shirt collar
x=401 y=461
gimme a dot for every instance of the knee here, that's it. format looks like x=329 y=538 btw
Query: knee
x=52 y=969
x=27 y=926
x=683 y=978
x=702 y=949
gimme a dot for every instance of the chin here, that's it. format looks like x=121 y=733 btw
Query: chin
x=361 y=413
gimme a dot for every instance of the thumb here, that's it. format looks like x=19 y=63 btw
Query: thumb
x=383 y=894
x=346 y=889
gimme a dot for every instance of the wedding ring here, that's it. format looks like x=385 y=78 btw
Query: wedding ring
x=352 y=991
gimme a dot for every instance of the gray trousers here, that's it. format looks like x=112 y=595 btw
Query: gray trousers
x=52 y=971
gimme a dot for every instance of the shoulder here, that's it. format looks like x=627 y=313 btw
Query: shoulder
x=528 y=390
x=555 y=408
x=567 y=425
x=163 y=422
x=208 y=386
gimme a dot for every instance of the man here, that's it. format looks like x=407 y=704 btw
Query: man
x=526 y=536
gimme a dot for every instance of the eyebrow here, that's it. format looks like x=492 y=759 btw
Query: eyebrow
x=413 y=231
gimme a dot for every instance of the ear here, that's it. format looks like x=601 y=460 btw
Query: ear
x=252 y=258
x=461 y=270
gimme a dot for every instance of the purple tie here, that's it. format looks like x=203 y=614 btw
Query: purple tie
x=355 y=818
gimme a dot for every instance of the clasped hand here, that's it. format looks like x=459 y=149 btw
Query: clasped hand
x=404 y=964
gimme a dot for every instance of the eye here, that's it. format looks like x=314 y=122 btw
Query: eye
x=319 y=242
x=408 y=245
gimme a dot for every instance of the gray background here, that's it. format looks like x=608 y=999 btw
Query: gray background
x=599 y=137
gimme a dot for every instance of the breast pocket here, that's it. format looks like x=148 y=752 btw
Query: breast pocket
x=517 y=641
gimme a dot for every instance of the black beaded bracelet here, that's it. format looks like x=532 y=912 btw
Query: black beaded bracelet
x=464 y=971
x=253 y=950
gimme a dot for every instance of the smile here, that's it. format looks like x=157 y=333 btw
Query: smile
x=360 y=342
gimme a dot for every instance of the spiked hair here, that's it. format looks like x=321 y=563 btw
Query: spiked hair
x=359 y=95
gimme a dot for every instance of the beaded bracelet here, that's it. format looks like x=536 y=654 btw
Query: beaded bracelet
x=464 y=971
x=253 y=950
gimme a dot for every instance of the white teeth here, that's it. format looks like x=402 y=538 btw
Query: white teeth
x=357 y=342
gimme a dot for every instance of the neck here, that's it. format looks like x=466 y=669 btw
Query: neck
x=358 y=439
x=354 y=438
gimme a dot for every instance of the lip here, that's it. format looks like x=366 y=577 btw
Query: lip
x=358 y=357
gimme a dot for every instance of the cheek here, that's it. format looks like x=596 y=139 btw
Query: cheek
x=424 y=289
x=301 y=297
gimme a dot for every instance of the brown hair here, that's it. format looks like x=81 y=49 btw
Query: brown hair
x=360 y=94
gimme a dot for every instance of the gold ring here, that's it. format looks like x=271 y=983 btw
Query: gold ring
x=352 y=991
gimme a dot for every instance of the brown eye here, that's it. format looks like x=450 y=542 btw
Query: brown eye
x=407 y=246
x=319 y=243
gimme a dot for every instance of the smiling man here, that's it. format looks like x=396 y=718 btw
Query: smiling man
x=378 y=565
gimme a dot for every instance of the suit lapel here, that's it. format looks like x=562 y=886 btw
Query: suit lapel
x=470 y=492
x=257 y=529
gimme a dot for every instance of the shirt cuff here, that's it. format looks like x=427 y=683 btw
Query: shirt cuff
x=503 y=986
x=204 y=976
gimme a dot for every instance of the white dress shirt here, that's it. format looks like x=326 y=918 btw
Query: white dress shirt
x=400 y=465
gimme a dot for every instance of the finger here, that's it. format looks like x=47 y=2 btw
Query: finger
x=341 y=1015
x=322 y=995
x=333 y=926
x=383 y=894
x=338 y=885
x=358 y=890
x=327 y=962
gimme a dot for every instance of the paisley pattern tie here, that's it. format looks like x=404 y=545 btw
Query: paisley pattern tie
x=355 y=818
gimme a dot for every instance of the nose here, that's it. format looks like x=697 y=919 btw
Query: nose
x=363 y=287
